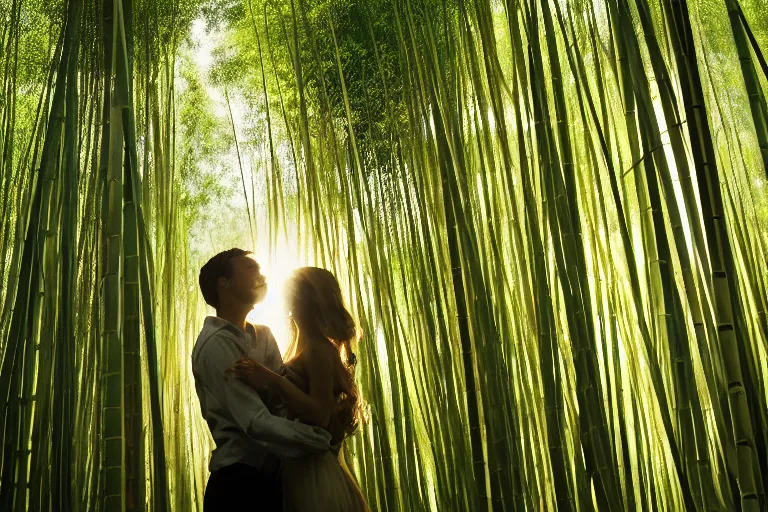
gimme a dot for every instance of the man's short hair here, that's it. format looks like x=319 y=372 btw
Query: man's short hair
x=218 y=266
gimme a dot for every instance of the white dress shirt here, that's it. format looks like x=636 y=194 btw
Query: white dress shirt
x=241 y=425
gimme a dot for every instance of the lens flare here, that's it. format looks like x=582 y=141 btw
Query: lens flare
x=277 y=267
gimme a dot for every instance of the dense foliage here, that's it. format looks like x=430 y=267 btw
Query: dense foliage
x=550 y=218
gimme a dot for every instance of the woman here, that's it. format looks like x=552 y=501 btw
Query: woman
x=321 y=390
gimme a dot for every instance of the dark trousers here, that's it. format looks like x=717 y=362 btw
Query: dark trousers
x=240 y=487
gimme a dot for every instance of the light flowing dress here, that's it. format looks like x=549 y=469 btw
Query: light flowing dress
x=319 y=482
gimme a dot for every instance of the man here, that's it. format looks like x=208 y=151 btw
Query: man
x=249 y=440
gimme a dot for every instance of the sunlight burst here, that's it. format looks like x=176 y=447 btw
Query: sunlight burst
x=277 y=267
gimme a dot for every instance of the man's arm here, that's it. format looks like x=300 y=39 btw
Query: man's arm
x=280 y=436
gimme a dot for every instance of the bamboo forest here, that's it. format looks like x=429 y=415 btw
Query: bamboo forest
x=549 y=218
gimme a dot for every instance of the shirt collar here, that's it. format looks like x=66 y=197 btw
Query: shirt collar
x=216 y=323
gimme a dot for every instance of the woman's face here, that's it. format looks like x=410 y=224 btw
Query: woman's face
x=291 y=295
x=302 y=301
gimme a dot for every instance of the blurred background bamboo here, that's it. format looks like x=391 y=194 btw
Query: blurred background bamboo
x=550 y=218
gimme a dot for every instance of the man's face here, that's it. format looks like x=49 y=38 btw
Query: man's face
x=246 y=284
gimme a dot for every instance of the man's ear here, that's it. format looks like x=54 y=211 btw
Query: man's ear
x=223 y=281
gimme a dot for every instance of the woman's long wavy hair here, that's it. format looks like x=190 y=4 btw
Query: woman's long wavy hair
x=316 y=304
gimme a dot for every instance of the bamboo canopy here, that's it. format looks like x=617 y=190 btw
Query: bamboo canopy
x=550 y=219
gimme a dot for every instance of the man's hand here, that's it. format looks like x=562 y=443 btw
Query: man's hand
x=254 y=373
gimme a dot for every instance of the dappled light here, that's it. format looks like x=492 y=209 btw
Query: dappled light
x=548 y=218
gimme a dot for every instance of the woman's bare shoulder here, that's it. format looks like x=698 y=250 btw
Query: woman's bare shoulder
x=321 y=352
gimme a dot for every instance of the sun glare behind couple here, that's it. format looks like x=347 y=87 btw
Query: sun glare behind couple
x=271 y=311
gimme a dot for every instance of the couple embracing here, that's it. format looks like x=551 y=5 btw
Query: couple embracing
x=278 y=426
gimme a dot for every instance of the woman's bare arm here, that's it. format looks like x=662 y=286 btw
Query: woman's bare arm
x=317 y=406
